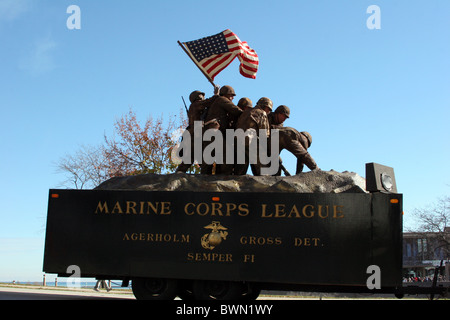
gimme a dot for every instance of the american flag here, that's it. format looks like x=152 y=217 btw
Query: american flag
x=215 y=53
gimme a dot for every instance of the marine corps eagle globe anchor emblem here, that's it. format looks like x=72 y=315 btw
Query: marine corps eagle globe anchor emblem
x=214 y=238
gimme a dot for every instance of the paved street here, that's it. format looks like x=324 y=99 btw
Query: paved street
x=15 y=293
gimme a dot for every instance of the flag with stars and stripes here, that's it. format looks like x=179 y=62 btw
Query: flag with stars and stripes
x=213 y=54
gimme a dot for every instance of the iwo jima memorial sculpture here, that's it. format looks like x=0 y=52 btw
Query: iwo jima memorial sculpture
x=230 y=236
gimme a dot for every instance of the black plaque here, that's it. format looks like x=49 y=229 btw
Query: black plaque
x=284 y=238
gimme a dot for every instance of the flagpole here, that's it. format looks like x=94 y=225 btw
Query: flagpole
x=200 y=68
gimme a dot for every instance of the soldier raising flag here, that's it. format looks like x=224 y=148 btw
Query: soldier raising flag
x=211 y=55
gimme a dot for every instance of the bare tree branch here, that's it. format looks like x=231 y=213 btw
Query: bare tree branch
x=133 y=149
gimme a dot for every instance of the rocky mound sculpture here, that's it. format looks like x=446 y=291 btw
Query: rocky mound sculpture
x=307 y=182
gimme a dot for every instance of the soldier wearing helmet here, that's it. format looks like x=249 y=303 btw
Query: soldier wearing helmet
x=219 y=116
x=196 y=95
x=199 y=106
x=297 y=143
x=245 y=103
x=265 y=104
x=197 y=112
x=277 y=118
x=228 y=92
x=256 y=119
x=222 y=109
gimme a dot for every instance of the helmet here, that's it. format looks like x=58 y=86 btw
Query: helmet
x=308 y=137
x=195 y=95
x=283 y=110
x=226 y=90
x=265 y=102
x=245 y=103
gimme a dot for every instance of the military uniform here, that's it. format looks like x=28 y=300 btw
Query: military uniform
x=272 y=121
x=197 y=108
x=196 y=113
x=220 y=114
x=243 y=104
x=297 y=143
x=256 y=119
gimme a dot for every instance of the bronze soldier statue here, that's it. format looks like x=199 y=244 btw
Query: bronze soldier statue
x=256 y=119
x=245 y=103
x=220 y=114
x=297 y=143
x=197 y=111
x=277 y=118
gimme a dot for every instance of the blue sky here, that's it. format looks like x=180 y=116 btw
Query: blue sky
x=365 y=95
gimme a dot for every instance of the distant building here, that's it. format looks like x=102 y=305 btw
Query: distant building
x=423 y=252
